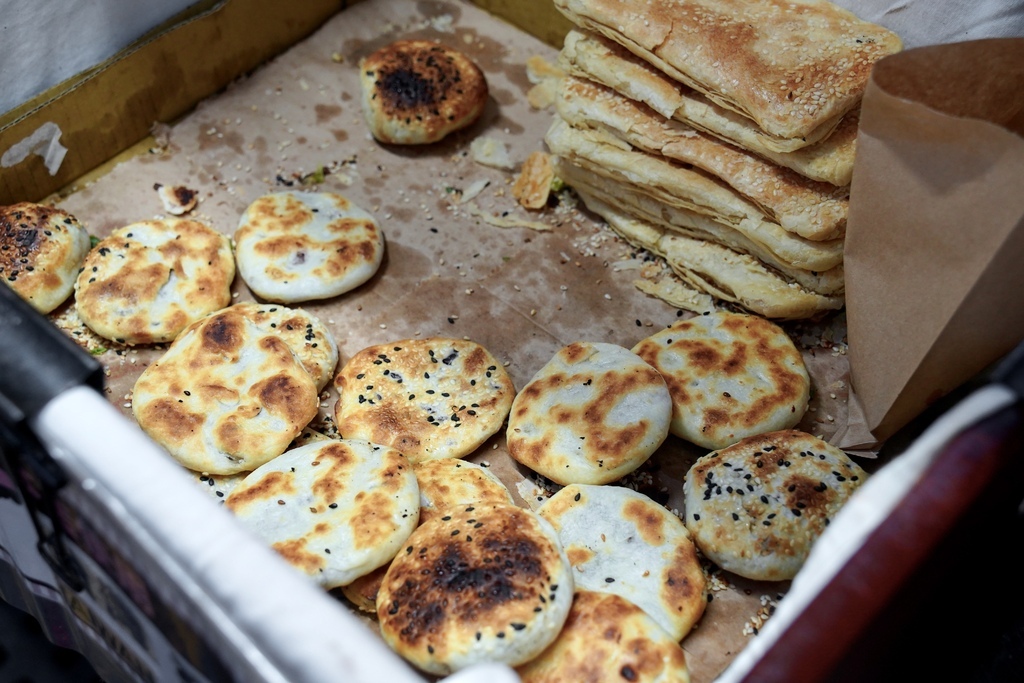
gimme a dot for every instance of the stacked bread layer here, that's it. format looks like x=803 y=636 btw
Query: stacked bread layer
x=742 y=194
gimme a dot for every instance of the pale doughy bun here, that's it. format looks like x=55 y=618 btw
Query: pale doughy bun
x=335 y=510
x=226 y=397
x=418 y=91
x=41 y=249
x=620 y=541
x=444 y=484
x=731 y=375
x=147 y=281
x=429 y=398
x=303 y=246
x=304 y=333
x=479 y=584
x=594 y=413
x=757 y=507
x=608 y=639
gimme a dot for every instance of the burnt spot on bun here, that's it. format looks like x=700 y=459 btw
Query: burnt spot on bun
x=419 y=91
x=477 y=577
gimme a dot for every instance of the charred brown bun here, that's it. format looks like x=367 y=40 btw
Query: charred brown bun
x=417 y=91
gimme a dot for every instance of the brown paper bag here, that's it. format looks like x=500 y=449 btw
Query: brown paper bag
x=935 y=241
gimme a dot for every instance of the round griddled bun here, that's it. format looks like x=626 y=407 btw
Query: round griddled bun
x=147 y=281
x=594 y=413
x=429 y=398
x=608 y=639
x=731 y=375
x=336 y=510
x=482 y=583
x=418 y=91
x=756 y=507
x=301 y=246
x=41 y=249
x=304 y=333
x=444 y=484
x=450 y=482
x=227 y=396
x=620 y=541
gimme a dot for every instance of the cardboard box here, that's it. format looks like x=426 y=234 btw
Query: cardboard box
x=169 y=588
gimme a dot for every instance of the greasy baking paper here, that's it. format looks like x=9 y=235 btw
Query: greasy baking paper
x=936 y=230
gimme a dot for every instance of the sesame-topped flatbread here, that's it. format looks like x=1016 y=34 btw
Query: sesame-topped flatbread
x=620 y=541
x=429 y=398
x=335 y=510
x=416 y=92
x=226 y=397
x=482 y=583
x=594 y=413
x=147 y=281
x=813 y=210
x=41 y=249
x=302 y=246
x=608 y=639
x=444 y=484
x=594 y=58
x=731 y=375
x=757 y=507
x=794 y=68
x=304 y=333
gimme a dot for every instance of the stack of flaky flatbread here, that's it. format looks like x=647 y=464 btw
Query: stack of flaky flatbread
x=719 y=135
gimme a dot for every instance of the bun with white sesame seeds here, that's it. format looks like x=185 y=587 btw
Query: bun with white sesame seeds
x=731 y=375
x=592 y=414
x=227 y=396
x=304 y=246
x=41 y=249
x=429 y=398
x=623 y=542
x=794 y=69
x=444 y=484
x=417 y=92
x=757 y=507
x=336 y=510
x=480 y=584
x=147 y=281
x=608 y=639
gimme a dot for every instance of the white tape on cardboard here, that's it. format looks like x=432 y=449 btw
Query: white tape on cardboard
x=45 y=142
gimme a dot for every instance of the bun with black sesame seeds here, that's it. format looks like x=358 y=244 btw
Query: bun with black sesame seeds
x=417 y=92
x=305 y=334
x=479 y=584
x=444 y=484
x=147 y=281
x=592 y=414
x=336 y=510
x=429 y=398
x=608 y=639
x=622 y=542
x=731 y=375
x=756 y=507
x=41 y=249
x=304 y=246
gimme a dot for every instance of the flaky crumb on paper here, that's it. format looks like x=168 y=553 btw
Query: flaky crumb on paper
x=545 y=76
x=533 y=184
x=491 y=152
x=508 y=221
